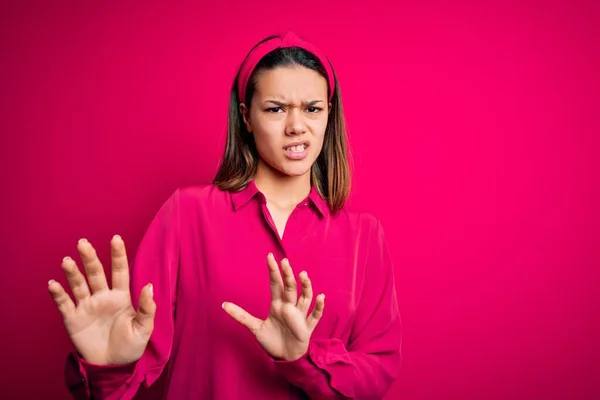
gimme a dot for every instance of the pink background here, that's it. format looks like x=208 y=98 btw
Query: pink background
x=475 y=133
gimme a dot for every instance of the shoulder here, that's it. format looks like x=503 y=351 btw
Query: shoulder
x=363 y=227
x=196 y=197
x=200 y=194
x=362 y=220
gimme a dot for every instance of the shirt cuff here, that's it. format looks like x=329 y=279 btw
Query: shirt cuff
x=76 y=377
x=79 y=373
x=303 y=369
x=321 y=358
x=109 y=375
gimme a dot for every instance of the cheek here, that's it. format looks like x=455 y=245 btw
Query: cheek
x=318 y=128
x=266 y=133
x=266 y=141
x=318 y=125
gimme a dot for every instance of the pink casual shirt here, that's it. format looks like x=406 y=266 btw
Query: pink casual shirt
x=206 y=246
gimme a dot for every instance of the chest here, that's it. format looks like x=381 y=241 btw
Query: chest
x=230 y=263
x=280 y=218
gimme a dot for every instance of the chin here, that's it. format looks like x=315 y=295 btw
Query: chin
x=295 y=172
x=300 y=169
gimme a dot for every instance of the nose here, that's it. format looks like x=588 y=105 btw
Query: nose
x=295 y=122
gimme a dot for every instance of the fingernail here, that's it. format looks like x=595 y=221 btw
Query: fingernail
x=223 y=305
x=67 y=258
x=50 y=282
x=151 y=290
x=270 y=255
x=117 y=237
x=82 y=240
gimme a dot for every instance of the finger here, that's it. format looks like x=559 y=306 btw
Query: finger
x=61 y=298
x=243 y=317
x=120 y=265
x=93 y=267
x=290 y=290
x=317 y=313
x=144 y=318
x=307 y=293
x=275 y=277
x=77 y=282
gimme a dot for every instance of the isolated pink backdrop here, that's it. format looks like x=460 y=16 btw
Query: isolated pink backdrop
x=474 y=129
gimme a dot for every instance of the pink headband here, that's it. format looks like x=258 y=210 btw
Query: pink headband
x=287 y=40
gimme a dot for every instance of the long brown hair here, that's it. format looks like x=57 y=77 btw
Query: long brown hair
x=330 y=174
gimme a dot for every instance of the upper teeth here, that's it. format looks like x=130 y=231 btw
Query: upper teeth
x=297 y=149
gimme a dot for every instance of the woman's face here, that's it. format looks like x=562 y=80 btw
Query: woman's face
x=288 y=118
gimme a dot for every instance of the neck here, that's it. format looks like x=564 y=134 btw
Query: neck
x=282 y=190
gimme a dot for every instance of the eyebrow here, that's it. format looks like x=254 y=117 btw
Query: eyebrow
x=305 y=103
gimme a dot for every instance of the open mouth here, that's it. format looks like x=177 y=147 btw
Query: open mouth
x=296 y=151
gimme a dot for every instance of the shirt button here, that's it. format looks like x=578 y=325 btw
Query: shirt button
x=320 y=359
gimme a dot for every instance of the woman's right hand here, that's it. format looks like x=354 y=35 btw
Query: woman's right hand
x=102 y=324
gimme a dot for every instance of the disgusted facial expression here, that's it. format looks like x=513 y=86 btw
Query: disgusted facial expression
x=288 y=118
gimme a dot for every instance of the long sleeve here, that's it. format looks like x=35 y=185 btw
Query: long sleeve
x=368 y=365
x=156 y=262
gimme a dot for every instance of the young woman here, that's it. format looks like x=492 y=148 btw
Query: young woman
x=227 y=273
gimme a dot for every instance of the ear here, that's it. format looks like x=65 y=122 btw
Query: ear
x=246 y=116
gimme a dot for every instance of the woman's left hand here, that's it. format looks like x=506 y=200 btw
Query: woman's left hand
x=286 y=332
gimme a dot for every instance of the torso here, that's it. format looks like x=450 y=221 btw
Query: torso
x=223 y=258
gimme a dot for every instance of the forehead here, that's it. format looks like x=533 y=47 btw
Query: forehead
x=291 y=83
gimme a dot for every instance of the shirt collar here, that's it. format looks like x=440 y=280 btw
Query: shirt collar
x=242 y=197
x=318 y=202
x=239 y=199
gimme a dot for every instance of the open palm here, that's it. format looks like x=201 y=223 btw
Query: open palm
x=103 y=325
x=286 y=332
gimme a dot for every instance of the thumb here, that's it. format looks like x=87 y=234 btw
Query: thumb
x=144 y=318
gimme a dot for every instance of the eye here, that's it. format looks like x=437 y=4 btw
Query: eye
x=273 y=110
x=314 y=109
